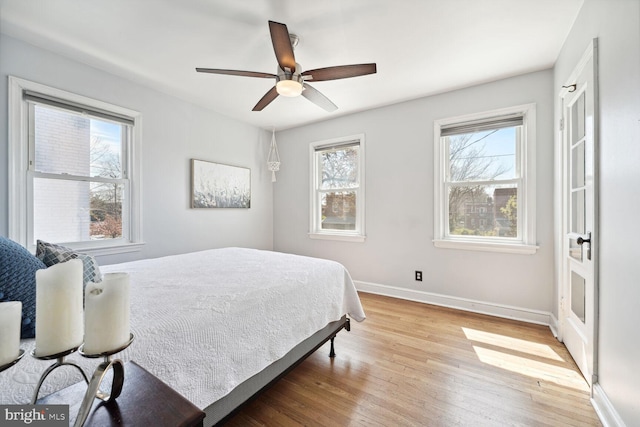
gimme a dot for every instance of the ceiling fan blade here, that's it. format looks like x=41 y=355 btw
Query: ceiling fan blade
x=236 y=73
x=318 y=98
x=282 y=46
x=340 y=72
x=266 y=99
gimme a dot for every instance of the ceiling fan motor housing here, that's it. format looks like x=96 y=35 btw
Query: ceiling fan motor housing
x=289 y=83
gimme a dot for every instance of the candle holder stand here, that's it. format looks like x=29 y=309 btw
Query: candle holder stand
x=10 y=364
x=59 y=362
x=93 y=389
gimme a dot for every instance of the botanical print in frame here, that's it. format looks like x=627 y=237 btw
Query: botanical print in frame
x=215 y=185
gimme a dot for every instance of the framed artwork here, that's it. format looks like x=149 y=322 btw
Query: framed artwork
x=215 y=185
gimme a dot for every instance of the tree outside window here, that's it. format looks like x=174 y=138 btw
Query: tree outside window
x=338 y=189
x=74 y=170
x=482 y=181
x=485 y=181
x=79 y=182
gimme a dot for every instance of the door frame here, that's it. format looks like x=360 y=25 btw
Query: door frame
x=562 y=290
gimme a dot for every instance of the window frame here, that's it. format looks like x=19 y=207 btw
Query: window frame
x=526 y=185
x=21 y=175
x=315 y=221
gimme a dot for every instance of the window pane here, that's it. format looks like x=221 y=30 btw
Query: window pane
x=338 y=210
x=578 y=119
x=578 y=285
x=483 y=210
x=339 y=168
x=106 y=210
x=483 y=156
x=575 y=250
x=578 y=212
x=76 y=211
x=577 y=166
x=69 y=143
x=106 y=149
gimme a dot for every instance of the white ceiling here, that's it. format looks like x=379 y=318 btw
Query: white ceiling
x=421 y=47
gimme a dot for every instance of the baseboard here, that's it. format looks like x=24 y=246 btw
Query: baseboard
x=498 y=310
x=604 y=408
x=553 y=324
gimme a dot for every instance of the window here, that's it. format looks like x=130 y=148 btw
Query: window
x=337 y=189
x=73 y=179
x=485 y=181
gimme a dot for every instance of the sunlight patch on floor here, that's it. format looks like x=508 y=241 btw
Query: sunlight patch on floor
x=522 y=346
x=532 y=368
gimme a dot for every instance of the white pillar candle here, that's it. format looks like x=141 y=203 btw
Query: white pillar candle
x=59 y=325
x=10 y=319
x=106 y=317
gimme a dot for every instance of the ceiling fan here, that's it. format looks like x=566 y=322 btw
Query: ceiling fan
x=290 y=79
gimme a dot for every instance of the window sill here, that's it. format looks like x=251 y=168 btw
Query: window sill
x=514 y=248
x=113 y=249
x=341 y=237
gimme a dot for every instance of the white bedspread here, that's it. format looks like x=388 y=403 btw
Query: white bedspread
x=206 y=321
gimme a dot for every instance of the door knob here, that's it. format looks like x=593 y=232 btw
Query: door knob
x=586 y=239
x=581 y=240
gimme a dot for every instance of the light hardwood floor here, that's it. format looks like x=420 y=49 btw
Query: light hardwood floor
x=413 y=364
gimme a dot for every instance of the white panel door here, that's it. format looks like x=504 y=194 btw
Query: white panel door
x=579 y=288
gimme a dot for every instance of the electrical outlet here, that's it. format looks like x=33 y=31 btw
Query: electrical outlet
x=418 y=276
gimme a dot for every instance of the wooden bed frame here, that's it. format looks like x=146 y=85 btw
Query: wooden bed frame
x=225 y=408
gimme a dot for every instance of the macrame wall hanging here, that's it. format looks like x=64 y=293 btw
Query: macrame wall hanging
x=273 y=160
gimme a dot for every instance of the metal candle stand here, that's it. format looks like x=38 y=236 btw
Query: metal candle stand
x=10 y=364
x=93 y=390
x=59 y=362
x=93 y=386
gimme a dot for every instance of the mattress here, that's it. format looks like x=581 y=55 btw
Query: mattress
x=206 y=321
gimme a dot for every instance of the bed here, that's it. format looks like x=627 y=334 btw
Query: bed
x=217 y=325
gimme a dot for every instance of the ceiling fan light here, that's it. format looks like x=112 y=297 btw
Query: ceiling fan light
x=289 y=88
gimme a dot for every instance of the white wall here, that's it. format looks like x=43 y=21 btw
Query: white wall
x=173 y=132
x=399 y=201
x=616 y=24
